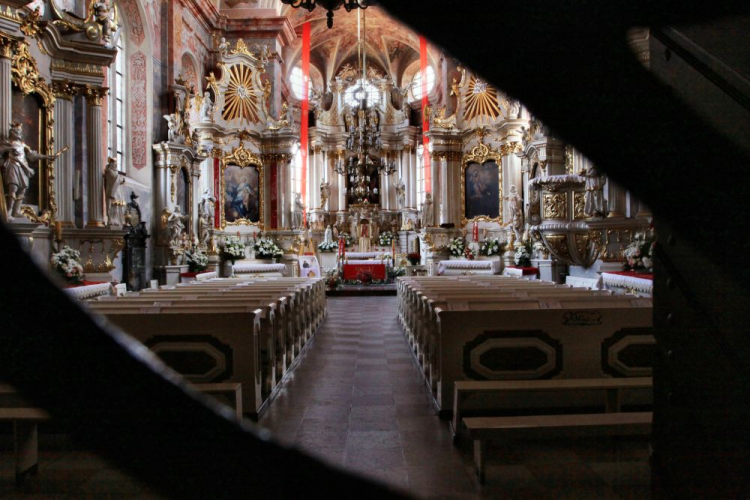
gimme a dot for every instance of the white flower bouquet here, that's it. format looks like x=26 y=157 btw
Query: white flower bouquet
x=233 y=248
x=456 y=247
x=67 y=264
x=265 y=248
x=197 y=260
x=522 y=257
x=348 y=239
x=386 y=238
x=492 y=247
x=328 y=247
x=639 y=254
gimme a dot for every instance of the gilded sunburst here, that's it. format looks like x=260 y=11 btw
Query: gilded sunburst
x=480 y=100
x=241 y=99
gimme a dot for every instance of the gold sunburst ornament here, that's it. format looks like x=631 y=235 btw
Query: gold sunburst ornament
x=480 y=100
x=241 y=99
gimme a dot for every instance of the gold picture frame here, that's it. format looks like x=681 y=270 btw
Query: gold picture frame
x=241 y=159
x=479 y=156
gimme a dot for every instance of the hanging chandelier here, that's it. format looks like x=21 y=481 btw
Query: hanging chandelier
x=328 y=5
x=364 y=133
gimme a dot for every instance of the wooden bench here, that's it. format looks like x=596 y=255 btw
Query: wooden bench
x=462 y=389
x=232 y=389
x=483 y=429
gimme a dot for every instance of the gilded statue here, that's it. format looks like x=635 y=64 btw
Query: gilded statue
x=115 y=203
x=16 y=171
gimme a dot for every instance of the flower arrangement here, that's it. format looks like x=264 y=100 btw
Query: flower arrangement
x=348 y=239
x=386 y=238
x=328 y=247
x=523 y=255
x=233 y=248
x=492 y=247
x=67 y=264
x=639 y=254
x=265 y=248
x=395 y=272
x=414 y=258
x=196 y=260
x=364 y=276
x=456 y=247
x=333 y=280
x=469 y=254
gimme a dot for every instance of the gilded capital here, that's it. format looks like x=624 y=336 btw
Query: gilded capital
x=64 y=89
x=7 y=46
x=94 y=94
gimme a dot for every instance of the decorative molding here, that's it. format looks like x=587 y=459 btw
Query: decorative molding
x=75 y=68
x=555 y=206
x=94 y=95
x=64 y=89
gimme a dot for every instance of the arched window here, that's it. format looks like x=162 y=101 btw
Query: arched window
x=353 y=95
x=416 y=88
x=297 y=82
x=117 y=104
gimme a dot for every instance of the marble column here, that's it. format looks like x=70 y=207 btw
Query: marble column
x=7 y=47
x=412 y=185
x=64 y=90
x=342 y=186
x=445 y=201
x=94 y=141
x=615 y=200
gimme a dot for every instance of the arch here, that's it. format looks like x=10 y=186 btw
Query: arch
x=191 y=70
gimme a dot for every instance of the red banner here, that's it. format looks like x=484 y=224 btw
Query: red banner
x=217 y=193
x=425 y=120
x=305 y=125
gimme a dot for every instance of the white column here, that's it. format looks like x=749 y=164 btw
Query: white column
x=342 y=189
x=94 y=141
x=64 y=170
x=6 y=90
x=412 y=191
x=615 y=200
x=445 y=205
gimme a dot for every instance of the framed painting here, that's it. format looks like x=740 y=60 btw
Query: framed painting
x=29 y=112
x=482 y=186
x=242 y=189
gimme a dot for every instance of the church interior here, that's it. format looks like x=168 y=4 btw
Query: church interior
x=285 y=249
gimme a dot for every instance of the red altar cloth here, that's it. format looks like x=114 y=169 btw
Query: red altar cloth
x=634 y=274
x=526 y=271
x=351 y=270
x=84 y=283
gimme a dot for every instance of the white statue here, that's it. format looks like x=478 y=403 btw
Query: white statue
x=594 y=206
x=208 y=201
x=325 y=194
x=515 y=210
x=15 y=168
x=174 y=129
x=401 y=193
x=364 y=235
x=207 y=108
x=115 y=202
x=205 y=218
x=514 y=109
x=176 y=227
x=224 y=47
x=428 y=218
x=297 y=210
x=328 y=235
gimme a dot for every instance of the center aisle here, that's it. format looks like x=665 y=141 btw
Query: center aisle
x=357 y=400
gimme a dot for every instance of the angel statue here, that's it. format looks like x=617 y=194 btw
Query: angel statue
x=16 y=171
x=207 y=108
x=103 y=17
x=173 y=123
x=176 y=227
x=325 y=194
x=297 y=210
x=115 y=202
x=224 y=47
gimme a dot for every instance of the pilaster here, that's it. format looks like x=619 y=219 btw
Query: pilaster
x=64 y=91
x=94 y=141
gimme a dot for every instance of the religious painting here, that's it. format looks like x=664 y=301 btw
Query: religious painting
x=482 y=190
x=242 y=194
x=309 y=266
x=29 y=112
x=183 y=191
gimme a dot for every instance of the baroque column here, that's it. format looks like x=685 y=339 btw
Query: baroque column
x=64 y=91
x=7 y=47
x=342 y=185
x=445 y=205
x=94 y=140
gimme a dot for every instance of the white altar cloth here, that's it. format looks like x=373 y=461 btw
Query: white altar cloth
x=89 y=291
x=611 y=280
x=363 y=262
x=366 y=255
x=249 y=268
x=477 y=266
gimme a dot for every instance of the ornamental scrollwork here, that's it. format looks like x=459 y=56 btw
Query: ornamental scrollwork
x=555 y=206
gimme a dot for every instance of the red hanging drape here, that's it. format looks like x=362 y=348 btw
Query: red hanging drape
x=305 y=125
x=425 y=120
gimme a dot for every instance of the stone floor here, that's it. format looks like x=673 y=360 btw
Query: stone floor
x=357 y=400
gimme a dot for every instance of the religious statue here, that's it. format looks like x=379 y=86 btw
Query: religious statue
x=205 y=218
x=207 y=108
x=16 y=171
x=407 y=224
x=112 y=182
x=514 y=109
x=328 y=235
x=297 y=210
x=207 y=203
x=173 y=124
x=325 y=194
x=515 y=210
x=224 y=47
x=401 y=193
x=594 y=206
x=176 y=227
x=103 y=17
x=364 y=235
x=427 y=211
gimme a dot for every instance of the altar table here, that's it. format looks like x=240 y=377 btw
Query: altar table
x=521 y=272
x=640 y=283
x=89 y=290
x=458 y=267
x=351 y=271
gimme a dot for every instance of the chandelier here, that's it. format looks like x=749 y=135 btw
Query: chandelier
x=364 y=135
x=328 y=5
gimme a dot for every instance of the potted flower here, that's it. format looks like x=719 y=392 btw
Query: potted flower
x=67 y=264
x=348 y=239
x=266 y=249
x=233 y=249
x=414 y=258
x=491 y=247
x=331 y=246
x=639 y=254
x=333 y=280
x=522 y=257
x=364 y=276
x=456 y=247
x=197 y=261
x=386 y=238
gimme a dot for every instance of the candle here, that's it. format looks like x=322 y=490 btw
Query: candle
x=58 y=231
